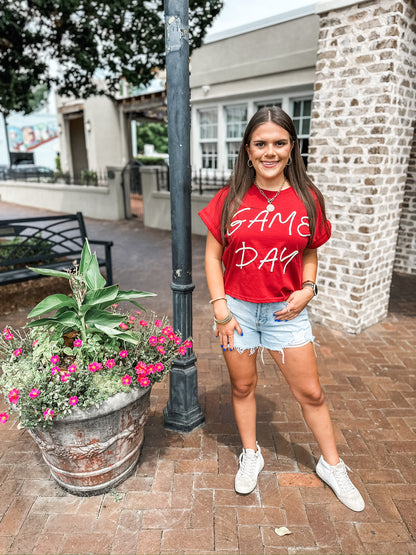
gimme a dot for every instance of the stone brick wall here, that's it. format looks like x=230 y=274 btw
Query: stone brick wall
x=361 y=137
x=406 y=243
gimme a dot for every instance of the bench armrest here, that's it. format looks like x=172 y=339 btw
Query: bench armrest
x=108 y=262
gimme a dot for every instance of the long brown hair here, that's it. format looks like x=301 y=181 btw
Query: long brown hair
x=243 y=176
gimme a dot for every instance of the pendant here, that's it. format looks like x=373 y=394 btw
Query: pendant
x=270 y=208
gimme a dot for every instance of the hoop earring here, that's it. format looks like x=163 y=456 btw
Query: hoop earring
x=289 y=163
x=249 y=163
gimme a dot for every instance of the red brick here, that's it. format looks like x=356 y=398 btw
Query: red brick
x=292 y=502
x=407 y=510
x=15 y=515
x=202 y=515
x=376 y=532
x=260 y=516
x=147 y=500
x=182 y=491
x=164 y=476
x=48 y=544
x=225 y=529
x=127 y=533
x=149 y=542
x=164 y=519
x=194 y=539
x=75 y=543
x=321 y=525
x=250 y=540
x=301 y=537
x=347 y=537
x=197 y=467
x=299 y=480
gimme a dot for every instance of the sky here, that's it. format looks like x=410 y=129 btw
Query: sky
x=240 y=12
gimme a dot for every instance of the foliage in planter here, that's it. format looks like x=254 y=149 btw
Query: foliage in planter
x=85 y=352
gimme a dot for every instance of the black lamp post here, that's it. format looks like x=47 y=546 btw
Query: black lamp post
x=182 y=411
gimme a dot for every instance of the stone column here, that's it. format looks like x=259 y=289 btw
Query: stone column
x=361 y=136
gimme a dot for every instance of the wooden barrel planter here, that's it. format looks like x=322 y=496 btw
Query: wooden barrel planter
x=91 y=451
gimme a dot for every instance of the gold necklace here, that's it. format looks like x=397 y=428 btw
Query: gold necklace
x=270 y=207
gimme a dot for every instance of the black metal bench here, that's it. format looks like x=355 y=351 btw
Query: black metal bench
x=51 y=242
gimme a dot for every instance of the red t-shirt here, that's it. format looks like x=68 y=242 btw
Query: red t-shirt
x=263 y=250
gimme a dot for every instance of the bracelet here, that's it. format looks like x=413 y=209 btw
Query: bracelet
x=217 y=299
x=227 y=319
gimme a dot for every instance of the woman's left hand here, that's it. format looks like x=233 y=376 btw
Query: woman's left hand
x=295 y=304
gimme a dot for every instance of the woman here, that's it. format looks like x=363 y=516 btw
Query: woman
x=264 y=228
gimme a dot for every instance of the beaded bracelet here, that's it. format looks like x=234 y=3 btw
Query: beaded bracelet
x=227 y=319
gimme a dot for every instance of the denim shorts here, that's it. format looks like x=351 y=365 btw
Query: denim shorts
x=260 y=328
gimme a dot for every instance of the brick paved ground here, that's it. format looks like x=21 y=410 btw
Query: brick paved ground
x=181 y=498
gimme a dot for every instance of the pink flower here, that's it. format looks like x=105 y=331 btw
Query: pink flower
x=144 y=382
x=132 y=318
x=94 y=366
x=110 y=363
x=34 y=393
x=72 y=368
x=123 y=354
x=126 y=380
x=177 y=340
x=153 y=340
x=161 y=350
x=167 y=330
x=55 y=370
x=143 y=323
x=182 y=350
x=161 y=340
x=9 y=336
x=17 y=352
x=6 y=331
x=141 y=367
x=64 y=377
x=124 y=326
x=48 y=413
x=159 y=367
x=73 y=400
x=14 y=395
x=115 y=305
x=35 y=343
x=77 y=342
x=158 y=323
x=55 y=359
x=4 y=417
x=187 y=344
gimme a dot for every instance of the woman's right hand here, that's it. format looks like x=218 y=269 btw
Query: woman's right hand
x=225 y=333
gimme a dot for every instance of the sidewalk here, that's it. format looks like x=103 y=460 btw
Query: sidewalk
x=181 y=498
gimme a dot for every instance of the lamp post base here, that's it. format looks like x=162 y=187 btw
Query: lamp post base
x=182 y=412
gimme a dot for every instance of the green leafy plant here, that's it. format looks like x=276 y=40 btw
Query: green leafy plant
x=86 y=351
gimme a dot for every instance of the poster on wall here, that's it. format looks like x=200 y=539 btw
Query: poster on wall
x=29 y=137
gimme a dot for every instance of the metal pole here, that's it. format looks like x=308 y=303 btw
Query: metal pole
x=182 y=411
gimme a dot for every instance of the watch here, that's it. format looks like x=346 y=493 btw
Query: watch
x=311 y=284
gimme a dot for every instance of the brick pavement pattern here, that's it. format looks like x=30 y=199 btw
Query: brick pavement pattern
x=181 y=499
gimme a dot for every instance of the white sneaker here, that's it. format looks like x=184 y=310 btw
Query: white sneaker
x=251 y=463
x=337 y=478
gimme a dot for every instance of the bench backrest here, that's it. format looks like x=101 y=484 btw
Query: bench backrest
x=30 y=240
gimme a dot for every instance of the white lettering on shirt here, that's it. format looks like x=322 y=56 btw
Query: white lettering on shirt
x=243 y=250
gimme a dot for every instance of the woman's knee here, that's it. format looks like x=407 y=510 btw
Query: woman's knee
x=243 y=389
x=311 y=397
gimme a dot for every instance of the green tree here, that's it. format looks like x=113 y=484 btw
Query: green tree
x=153 y=134
x=85 y=39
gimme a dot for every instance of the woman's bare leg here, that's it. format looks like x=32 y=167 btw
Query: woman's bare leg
x=243 y=375
x=301 y=372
